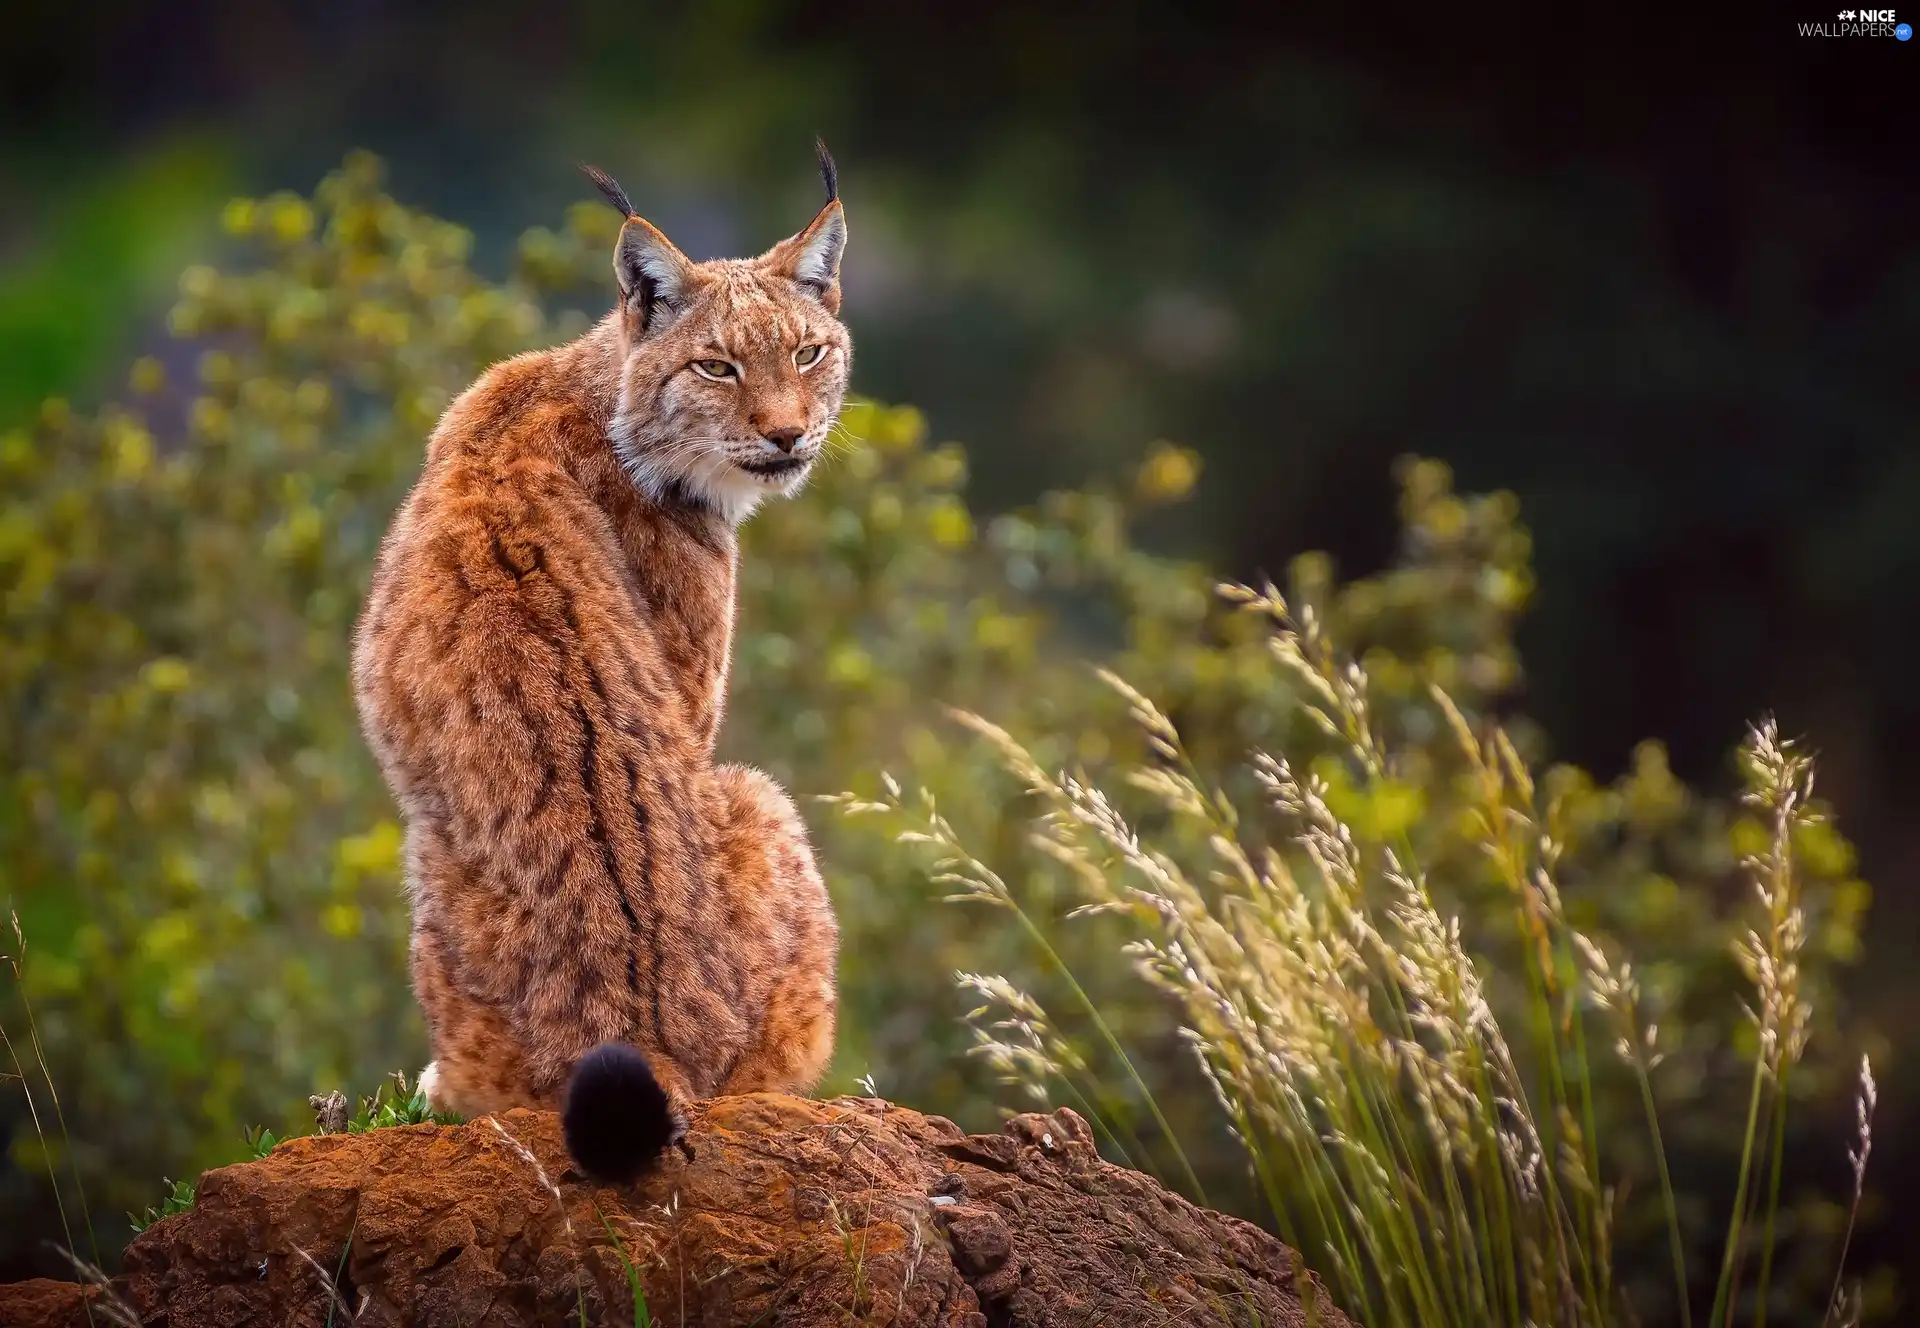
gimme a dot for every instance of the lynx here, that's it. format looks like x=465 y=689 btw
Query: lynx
x=604 y=919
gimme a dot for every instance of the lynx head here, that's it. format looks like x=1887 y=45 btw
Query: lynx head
x=733 y=370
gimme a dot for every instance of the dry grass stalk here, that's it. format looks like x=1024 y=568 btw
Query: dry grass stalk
x=1344 y=1027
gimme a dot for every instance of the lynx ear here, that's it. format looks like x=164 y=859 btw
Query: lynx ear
x=812 y=258
x=654 y=276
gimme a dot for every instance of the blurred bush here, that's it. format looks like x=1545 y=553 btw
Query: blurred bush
x=72 y=271
x=206 y=866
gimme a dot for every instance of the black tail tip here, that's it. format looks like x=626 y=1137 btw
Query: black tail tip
x=617 y=1118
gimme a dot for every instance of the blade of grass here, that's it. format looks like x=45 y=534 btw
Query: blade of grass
x=642 y=1316
x=33 y=1114
x=340 y=1269
x=1717 y=1318
x=1676 y=1246
x=1773 y=1199
x=53 y=1092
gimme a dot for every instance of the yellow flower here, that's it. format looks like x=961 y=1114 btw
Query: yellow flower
x=240 y=217
x=342 y=920
x=1168 y=473
x=949 y=524
x=167 y=674
x=147 y=376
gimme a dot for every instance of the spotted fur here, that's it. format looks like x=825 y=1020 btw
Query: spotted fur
x=541 y=670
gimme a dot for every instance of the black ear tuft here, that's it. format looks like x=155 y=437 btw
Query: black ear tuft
x=610 y=187
x=829 y=175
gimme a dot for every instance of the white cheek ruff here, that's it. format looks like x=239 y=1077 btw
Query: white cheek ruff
x=731 y=489
x=735 y=494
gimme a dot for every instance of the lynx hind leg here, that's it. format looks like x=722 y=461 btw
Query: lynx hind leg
x=476 y=1066
x=796 y=1041
x=770 y=862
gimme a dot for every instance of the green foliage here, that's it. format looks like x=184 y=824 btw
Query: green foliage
x=203 y=854
x=71 y=295
x=179 y=1198
x=194 y=841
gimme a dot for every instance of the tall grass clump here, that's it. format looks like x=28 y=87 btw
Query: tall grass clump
x=1416 y=1104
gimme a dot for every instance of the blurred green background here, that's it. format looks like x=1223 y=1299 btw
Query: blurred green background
x=1661 y=283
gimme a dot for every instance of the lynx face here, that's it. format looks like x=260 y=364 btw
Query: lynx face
x=734 y=369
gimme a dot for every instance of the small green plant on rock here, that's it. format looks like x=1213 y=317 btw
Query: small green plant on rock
x=400 y=1105
x=179 y=1199
x=380 y=1110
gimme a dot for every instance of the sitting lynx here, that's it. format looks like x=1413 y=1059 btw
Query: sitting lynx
x=604 y=920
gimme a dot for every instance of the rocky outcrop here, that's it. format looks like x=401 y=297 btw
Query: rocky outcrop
x=789 y=1212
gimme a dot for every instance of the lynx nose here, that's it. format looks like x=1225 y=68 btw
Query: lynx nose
x=784 y=439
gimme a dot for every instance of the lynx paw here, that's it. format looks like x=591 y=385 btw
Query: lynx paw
x=429 y=1084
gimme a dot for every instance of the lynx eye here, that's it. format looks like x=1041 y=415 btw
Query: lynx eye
x=715 y=369
x=808 y=355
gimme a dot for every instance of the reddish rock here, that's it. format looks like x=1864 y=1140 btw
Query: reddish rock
x=790 y=1212
x=43 y=1301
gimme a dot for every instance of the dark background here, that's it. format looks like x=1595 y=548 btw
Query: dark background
x=1653 y=269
